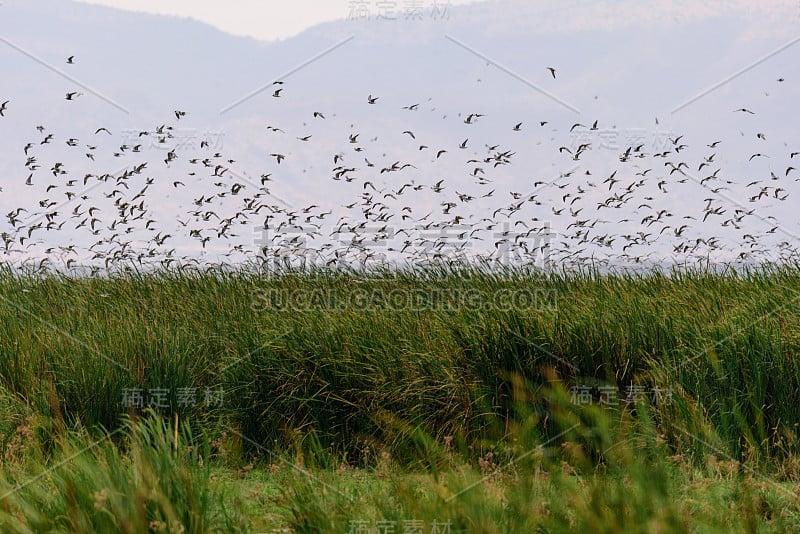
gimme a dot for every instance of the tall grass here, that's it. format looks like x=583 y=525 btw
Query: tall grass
x=148 y=483
x=434 y=348
x=325 y=365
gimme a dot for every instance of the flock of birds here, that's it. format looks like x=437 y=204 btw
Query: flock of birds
x=396 y=211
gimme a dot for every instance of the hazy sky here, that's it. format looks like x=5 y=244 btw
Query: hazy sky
x=708 y=88
x=273 y=19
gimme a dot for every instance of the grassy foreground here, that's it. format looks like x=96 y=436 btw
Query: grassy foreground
x=441 y=400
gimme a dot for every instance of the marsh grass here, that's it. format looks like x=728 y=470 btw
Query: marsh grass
x=426 y=381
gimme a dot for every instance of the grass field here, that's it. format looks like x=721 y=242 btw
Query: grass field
x=447 y=399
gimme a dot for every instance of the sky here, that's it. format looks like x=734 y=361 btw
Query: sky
x=269 y=20
x=670 y=77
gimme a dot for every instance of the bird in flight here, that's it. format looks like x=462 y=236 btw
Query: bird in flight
x=73 y=95
x=71 y=60
x=372 y=99
x=3 y=107
x=744 y=110
x=552 y=71
x=277 y=92
x=179 y=114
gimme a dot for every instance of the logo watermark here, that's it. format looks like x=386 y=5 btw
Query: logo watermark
x=410 y=10
x=583 y=395
x=163 y=397
x=170 y=138
x=408 y=526
x=365 y=298
x=376 y=245
x=640 y=140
